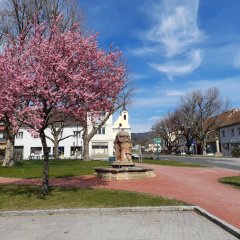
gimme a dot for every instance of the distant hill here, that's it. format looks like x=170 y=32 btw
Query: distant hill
x=142 y=138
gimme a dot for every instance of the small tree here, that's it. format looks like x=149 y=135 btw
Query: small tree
x=167 y=130
x=185 y=122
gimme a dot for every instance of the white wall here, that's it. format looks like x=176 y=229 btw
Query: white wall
x=28 y=141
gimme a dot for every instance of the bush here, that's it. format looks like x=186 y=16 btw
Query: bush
x=236 y=152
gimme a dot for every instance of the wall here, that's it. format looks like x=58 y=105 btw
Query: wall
x=101 y=145
x=229 y=141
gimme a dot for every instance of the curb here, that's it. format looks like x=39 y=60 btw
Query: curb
x=96 y=210
x=226 y=226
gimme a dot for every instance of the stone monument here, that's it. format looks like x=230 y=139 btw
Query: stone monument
x=123 y=167
x=123 y=150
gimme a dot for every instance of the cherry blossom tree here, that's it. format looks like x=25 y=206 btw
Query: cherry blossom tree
x=10 y=69
x=17 y=18
x=64 y=73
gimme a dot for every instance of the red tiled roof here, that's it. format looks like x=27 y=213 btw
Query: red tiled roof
x=228 y=118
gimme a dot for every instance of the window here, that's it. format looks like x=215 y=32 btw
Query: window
x=35 y=151
x=61 y=151
x=232 y=132
x=19 y=135
x=76 y=151
x=223 y=133
x=120 y=125
x=124 y=117
x=100 y=148
x=101 y=131
x=239 y=131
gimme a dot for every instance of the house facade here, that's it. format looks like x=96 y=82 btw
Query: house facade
x=226 y=134
x=101 y=146
x=230 y=133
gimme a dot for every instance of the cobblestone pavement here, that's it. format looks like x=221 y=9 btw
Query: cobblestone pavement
x=183 y=225
x=197 y=186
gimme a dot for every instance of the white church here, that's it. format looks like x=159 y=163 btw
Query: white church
x=101 y=145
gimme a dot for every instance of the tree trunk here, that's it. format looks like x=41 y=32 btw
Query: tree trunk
x=86 y=149
x=45 y=185
x=10 y=139
x=86 y=140
x=56 y=152
x=188 y=145
x=204 y=147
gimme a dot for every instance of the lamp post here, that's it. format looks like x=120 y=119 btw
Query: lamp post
x=76 y=148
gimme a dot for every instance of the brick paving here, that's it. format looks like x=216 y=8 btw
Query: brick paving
x=183 y=225
x=197 y=186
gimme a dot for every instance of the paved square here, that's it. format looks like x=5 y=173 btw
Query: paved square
x=173 y=225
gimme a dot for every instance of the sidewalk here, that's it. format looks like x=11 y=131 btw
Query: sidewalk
x=197 y=186
x=112 y=224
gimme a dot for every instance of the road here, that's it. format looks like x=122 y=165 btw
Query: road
x=227 y=163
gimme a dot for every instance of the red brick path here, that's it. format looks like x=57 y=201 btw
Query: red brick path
x=197 y=186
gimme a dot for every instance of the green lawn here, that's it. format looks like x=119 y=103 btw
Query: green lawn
x=172 y=163
x=58 y=168
x=234 y=181
x=69 y=168
x=23 y=197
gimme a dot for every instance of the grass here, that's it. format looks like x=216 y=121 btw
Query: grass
x=69 y=168
x=25 y=197
x=234 y=181
x=172 y=163
x=57 y=168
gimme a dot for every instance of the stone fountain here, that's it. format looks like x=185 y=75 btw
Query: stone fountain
x=123 y=167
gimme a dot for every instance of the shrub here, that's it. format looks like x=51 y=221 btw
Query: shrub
x=236 y=152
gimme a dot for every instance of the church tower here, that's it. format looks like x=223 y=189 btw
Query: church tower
x=122 y=122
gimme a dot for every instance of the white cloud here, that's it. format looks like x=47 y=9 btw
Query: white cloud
x=174 y=34
x=140 y=128
x=175 y=25
x=152 y=102
x=175 y=93
x=236 y=61
x=137 y=76
x=174 y=68
x=141 y=51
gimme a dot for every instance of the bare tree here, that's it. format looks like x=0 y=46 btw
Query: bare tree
x=200 y=110
x=185 y=121
x=167 y=130
x=18 y=15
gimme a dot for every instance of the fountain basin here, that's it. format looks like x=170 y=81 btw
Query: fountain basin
x=124 y=173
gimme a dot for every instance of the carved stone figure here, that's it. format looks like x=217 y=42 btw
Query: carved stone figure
x=123 y=147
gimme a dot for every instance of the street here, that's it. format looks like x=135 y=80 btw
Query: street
x=227 y=163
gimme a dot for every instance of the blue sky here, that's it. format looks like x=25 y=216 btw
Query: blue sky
x=170 y=47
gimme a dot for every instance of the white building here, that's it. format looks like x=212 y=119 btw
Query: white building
x=101 y=145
